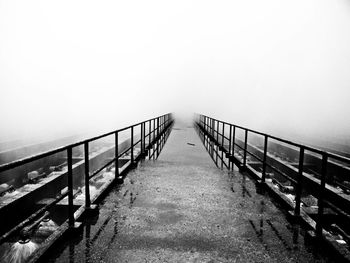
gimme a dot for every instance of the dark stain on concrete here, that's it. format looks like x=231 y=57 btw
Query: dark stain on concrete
x=169 y=217
x=166 y=206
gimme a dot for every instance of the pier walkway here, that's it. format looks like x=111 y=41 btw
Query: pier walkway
x=182 y=208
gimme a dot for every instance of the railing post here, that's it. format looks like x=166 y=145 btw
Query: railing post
x=300 y=182
x=229 y=147
x=319 y=223
x=142 y=139
x=87 y=175
x=157 y=126
x=154 y=130
x=217 y=131
x=70 y=188
x=154 y=136
x=161 y=124
x=233 y=144
x=132 y=144
x=161 y=136
x=157 y=147
x=208 y=125
x=245 y=148
x=164 y=131
x=205 y=134
x=217 y=142
x=211 y=140
x=161 y=128
x=207 y=137
x=149 y=138
x=263 y=177
x=223 y=145
x=223 y=135
x=116 y=155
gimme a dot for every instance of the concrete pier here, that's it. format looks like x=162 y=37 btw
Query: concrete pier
x=182 y=208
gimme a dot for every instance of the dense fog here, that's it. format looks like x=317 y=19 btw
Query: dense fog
x=282 y=67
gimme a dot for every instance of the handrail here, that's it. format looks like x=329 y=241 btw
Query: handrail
x=212 y=132
x=306 y=147
x=35 y=157
x=161 y=127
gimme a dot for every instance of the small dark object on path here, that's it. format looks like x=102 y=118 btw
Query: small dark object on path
x=192 y=144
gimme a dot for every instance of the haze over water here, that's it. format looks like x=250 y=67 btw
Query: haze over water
x=282 y=67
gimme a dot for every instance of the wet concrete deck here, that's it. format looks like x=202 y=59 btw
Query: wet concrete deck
x=182 y=208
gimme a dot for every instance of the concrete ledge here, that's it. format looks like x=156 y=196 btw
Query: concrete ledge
x=44 y=248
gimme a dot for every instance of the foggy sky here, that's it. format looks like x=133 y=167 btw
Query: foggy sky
x=278 y=66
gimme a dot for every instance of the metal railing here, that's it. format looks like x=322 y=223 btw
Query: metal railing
x=220 y=136
x=151 y=142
